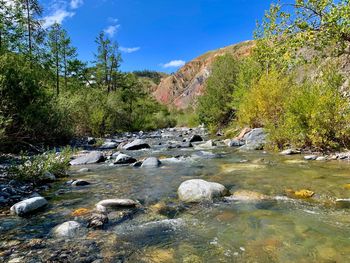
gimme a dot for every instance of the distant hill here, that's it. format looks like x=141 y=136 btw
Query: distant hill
x=181 y=89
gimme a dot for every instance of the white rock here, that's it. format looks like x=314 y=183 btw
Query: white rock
x=67 y=229
x=151 y=162
x=197 y=190
x=28 y=205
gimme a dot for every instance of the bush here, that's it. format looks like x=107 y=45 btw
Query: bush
x=33 y=169
x=27 y=108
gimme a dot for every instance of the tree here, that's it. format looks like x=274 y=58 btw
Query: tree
x=108 y=61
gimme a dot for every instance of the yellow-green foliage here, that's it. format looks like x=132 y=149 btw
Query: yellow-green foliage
x=313 y=114
x=263 y=103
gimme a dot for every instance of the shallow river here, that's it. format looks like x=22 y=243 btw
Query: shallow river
x=279 y=230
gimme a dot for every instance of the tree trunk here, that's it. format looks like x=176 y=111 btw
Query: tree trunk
x=29 y=28
x=65 y=68
x=57 y=70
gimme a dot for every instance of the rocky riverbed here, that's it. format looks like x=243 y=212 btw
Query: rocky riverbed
x=176 y=195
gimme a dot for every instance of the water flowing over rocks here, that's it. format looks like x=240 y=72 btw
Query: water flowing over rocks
x=90 y=158
x=28 y=206
x=197 y=190
x=246 y=195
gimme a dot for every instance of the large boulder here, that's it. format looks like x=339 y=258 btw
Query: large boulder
x=29 y=205
x=197 y=190
x=90 y=158
x=124 y=159
x=137 y=144
x=254 y=140
x=151 y=162
x=67 y=229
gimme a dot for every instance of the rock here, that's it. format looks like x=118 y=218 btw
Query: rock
x=80 y=212
x=246 y=195
x=310 y=157
x=67 y=229
x=137 y=164
x=244 y=166
x=197 y=190
x=254 y=140
x=109 y=145
x=28 y=205
x=196 y=138
x=124 y=159
x=83 y=170
x=47 y=176
x=151 y=162
x=234 y=143
x=97 y=220
x=91 y=140
x=115 y=203
x=208 y=145
x=90 y=158
x=79 y=183
x=343 y=202
x=321 y=158
x=303 y=193
x=204 y=155
x=290 y=152
x=16 y=260
x=137 y=144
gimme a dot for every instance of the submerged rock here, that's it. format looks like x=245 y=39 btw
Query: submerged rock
x=151 y=162
x=197 y=190
x=115 y=203
x=28 y=205
x=90 y=158
x=67 y=229
x=246 y=195
x=79 y=183
x=124 y=159
x=97 y=220
x=137 y=144
x=83 y=170
x=109 y=145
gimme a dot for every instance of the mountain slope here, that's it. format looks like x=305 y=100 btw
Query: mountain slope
x=181 y=89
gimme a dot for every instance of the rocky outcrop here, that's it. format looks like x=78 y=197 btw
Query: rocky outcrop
x=182 y=89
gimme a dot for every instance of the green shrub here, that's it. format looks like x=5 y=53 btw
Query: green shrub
x=214 y=107
x=33 y=168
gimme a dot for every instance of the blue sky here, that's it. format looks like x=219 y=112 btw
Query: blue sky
x=156 y=34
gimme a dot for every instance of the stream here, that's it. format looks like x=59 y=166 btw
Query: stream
x=163 y=229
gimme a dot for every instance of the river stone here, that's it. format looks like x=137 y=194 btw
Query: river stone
x=235 y=143
x=254 y=140
x=109 y=145
x=80 y=183
x=137 y=144
x=67 y=229
x=124 y=159
x=310 y=157
x=289 y=152
x=196 y=138
x=246 y=195
x=28 y=205
x=208 y=145
x=151 y=162
x=197 y=190
x=115 y=203
x=83 y=170
x=49 y=176
x=90 y=158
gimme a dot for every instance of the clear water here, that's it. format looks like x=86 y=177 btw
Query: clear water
x=286 y=230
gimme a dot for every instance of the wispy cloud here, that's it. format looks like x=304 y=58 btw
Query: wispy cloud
x=113 y=20
x=129 y=49
x=57 y=17
x=174 y=64
x=74 y=4
x=111 y=30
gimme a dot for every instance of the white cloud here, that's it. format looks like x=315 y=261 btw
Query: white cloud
x=74 y=4
x=113 y=20
x=57 y=17
x=129 y=49
x=111 y=30
x=174 y=64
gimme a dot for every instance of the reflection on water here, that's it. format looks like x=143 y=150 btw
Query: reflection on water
x=276 y=230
